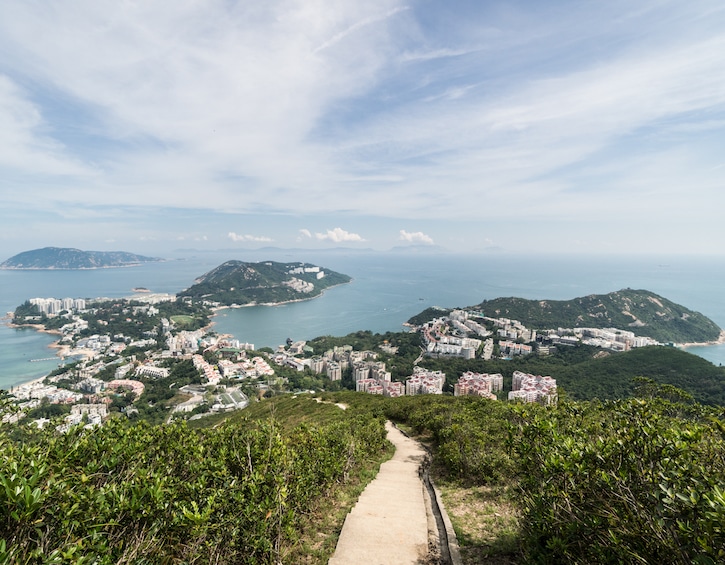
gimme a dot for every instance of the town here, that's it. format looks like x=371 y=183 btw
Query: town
x=156 y=357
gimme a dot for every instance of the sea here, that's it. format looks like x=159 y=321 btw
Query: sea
x=387 y=289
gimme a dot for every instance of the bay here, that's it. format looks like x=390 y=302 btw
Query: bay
x=18 y=346
x=387 y=289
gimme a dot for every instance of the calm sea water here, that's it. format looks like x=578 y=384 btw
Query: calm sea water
x=387 y=289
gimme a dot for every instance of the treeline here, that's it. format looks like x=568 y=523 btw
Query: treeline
x=587 y=373
x=407 y=343
x=26 y=310
x=135 y=493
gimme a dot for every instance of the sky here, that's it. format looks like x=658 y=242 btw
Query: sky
x=466 y=126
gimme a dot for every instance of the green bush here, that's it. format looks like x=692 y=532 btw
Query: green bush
x=136 y=493
x=622 y=482
x=469 y=434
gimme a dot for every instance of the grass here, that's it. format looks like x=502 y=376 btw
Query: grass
x=485 y=518
x=486 y=521
x=182 y=320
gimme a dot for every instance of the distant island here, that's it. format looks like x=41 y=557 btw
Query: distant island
x=641 y=312
x=237 y=283
x=59 y=258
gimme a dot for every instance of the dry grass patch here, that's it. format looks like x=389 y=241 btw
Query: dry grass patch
x=486 y=521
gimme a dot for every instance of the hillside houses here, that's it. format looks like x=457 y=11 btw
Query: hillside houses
x=478 y=384
x=533 y=388
x=452 y=336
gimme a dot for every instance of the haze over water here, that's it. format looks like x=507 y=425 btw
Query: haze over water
x=387 y=289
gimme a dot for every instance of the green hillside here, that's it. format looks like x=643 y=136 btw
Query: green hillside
x=267 y=282
x=587 y=373
x=628 y=481
x=611 y=377
x=639 y=311
x=271 y=487
x=583 y=372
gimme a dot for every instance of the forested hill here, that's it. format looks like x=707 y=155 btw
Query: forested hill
x=267 y=282
x=640 y=311
x=69 y=258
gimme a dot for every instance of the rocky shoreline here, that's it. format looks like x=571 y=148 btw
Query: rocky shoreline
x=719 y=341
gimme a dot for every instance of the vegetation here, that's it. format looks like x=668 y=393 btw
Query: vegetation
x=135 y=493
x=640 y=480
x=400 y=364
x=585 y=373
x=406 y=343
x=67 y=258
x=237 y=282
x=628 y=468
x=639 y=311
x=160 y=393
x=27 y=313
x=428 y=314
x=122 y=317
x=628 y=481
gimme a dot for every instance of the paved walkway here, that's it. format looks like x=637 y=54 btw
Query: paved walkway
x=389 y=523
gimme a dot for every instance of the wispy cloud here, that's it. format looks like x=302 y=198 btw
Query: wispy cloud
x=26 y=142
x=356 y=26
x=431 y=55
x=384 y=109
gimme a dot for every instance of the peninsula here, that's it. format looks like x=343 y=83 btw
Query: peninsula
x=67 y=258
x=237 y=283
x=639 y=312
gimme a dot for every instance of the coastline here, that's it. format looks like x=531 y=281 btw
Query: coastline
x=62 y=351
x=122 y=266
x=719 y=341
x=216 y=309
x=29 y=384
x=37 y=327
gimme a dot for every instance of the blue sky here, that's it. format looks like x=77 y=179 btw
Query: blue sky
x=557 y=126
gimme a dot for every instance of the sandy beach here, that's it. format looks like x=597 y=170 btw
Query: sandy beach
x=29 y=384
x=62 y=351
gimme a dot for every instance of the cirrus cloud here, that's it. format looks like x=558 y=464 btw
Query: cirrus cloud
x=416 y=237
